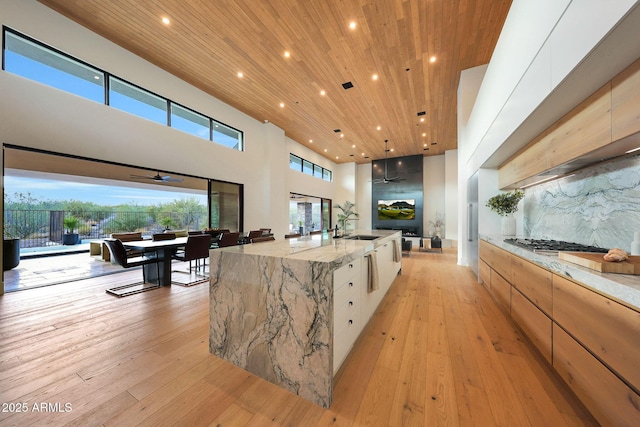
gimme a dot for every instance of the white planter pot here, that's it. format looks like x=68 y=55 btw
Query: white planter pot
x=508 y=225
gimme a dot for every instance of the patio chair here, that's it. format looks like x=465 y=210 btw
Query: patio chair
x=119 y=256
x=196 y=249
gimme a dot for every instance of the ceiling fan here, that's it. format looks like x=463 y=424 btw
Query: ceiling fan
x=385 y=179
x=157 y=178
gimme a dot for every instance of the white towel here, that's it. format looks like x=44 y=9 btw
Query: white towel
x=372 y=268
x=397 y=256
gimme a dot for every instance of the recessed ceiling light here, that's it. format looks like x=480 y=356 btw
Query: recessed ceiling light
x=240 y=74
x=424 y=134
x=424 y=145
x=422 y=120
x=374 y=77
x=353 y=146
x=282 y=105
x=325 y=150
x=323 y=93
x=352 y=25
x=379 y=127
x=391 y=149
x=342 y=135
x=165 y=20
x=311 y=141
x=432 y=59
x=337 y=157
x=363 y=154
x=287 y=54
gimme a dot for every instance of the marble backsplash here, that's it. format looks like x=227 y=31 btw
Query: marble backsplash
x=599 y=205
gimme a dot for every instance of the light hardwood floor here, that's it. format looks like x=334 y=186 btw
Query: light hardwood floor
x=437 y=352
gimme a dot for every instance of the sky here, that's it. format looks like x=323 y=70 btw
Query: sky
x=100 y=194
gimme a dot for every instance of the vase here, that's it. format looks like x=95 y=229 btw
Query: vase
x=508 y=225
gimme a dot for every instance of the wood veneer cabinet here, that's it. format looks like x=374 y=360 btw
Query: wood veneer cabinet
x=498 y=259
x=592 y=341
x=534 y=282
x=625 y=102
x=584 y=129
x=501 y=290
x=610 y=330
x=533 y=322
x=608 y=399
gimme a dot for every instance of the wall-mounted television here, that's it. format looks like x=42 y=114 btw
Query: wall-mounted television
x=397 y=209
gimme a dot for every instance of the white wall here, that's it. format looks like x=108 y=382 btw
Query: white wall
x=451 y=194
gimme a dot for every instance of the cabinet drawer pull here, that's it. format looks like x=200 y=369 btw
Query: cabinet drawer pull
x=350 y=265
x=350 y=302
x=350 y=322
x=351 y=284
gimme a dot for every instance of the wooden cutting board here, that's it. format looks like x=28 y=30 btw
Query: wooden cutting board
x=595 y=261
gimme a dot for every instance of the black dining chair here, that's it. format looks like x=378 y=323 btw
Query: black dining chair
x=253 y=234
x=119 y=256
x=196 y=249
x=262 y=239
x=228 y=239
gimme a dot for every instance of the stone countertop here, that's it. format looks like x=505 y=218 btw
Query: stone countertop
x=624 y=288
x=316 y=248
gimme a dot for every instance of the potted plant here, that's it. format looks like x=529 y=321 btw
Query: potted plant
x=10 y=249
x=505 y=204
x=167 y=222
x=70 y=237
x=347 y=213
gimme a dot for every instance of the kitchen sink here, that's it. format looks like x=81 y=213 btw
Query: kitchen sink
x=362 y=237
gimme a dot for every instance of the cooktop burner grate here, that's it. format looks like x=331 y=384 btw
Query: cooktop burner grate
x=538 y=245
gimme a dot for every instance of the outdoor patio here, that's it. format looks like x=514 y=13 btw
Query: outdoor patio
x=51 y=266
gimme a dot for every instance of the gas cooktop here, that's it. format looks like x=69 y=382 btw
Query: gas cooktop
x=537 y=245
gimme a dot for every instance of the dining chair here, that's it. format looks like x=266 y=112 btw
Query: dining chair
x=196 y=249
x=262 y=239
x=228 y=239
x=163 y=236
x=195 y=233
x=254 y=233
x=119 y=256
x=292 y=235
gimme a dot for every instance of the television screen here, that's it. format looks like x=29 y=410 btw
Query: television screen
x=397 y=209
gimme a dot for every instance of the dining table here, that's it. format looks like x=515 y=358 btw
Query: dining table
x=164 y=249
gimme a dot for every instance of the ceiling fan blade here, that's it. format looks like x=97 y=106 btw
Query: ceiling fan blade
x=170 y=179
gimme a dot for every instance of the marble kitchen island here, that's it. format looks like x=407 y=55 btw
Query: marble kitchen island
x=272 y=305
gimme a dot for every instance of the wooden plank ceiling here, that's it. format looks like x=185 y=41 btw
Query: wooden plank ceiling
x=208 y=42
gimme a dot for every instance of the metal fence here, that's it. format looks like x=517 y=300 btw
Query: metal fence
x=43 y=228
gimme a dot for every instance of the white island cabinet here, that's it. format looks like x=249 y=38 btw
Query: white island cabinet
x=290 y=311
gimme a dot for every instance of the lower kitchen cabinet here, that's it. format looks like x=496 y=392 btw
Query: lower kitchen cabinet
x=533 y=281
x=610 y=330
x=346 y=309
x=501 y=290
x=608 y=399
x=592 y=341
x=533 y=322
x=353 y=304
x=484 y=271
